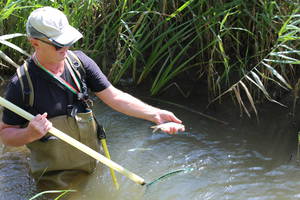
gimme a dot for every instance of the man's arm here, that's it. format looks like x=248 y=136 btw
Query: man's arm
x=13 y=135
x=129 y=105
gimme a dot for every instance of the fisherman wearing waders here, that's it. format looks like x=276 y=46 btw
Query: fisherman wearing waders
x=53 y=86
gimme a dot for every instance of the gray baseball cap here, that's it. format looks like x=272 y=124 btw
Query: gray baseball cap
x=53 y=24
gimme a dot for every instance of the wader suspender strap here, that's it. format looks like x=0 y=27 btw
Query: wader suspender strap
x=26 y=85
x=59 y=79
x=76 y=64
x=77 y=67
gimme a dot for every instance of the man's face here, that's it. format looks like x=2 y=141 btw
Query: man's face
x=45 y=47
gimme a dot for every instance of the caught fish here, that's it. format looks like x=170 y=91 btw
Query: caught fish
x=166 y=126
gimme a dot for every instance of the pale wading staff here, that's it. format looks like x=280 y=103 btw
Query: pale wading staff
x=66 y=138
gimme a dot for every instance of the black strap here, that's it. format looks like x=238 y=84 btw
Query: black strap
x=80 y=72
x=100 y=130
x=26 y=89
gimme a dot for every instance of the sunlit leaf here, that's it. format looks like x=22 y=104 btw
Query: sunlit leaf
x=6 y=58
x=51 y=192
x=275 y=73
x=259 y=83
x=240 y=101
x=10 y=36
x=283 y=61
x=180 y=9
x=285 y=57
x=11 y=45
x=264 y=90
x=250 y=98
x=285 y=52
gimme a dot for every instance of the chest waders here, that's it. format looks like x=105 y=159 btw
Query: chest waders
x=56 y=155
x=51 y=155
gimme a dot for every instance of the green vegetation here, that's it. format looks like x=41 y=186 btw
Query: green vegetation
x=246 y=48
x=63 y=192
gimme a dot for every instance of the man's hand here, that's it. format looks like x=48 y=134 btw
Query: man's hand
x=38 y=127
x=14 y=135
x=168 y=122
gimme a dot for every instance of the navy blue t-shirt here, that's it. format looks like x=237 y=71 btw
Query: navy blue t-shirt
x=48 y=96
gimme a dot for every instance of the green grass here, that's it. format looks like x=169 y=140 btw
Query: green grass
x=63 y=192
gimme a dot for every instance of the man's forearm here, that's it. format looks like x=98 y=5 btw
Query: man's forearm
x=132 y=106
x=13 y=136
x=16 y=136
x=129 y=105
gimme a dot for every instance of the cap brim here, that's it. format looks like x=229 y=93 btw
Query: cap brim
x=69 y=37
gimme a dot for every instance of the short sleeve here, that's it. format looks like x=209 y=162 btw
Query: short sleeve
x=96 y=80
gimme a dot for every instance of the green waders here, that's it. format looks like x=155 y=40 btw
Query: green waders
x=53 y=158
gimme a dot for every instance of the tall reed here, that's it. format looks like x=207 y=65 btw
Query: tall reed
x=162 y=43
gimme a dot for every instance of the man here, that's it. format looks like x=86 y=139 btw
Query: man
x=60 y=98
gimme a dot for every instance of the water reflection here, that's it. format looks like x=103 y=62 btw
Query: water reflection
x=237 y=161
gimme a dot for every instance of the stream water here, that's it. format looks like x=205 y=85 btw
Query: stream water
x=240 y=161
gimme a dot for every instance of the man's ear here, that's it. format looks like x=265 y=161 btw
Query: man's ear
x=34 y=42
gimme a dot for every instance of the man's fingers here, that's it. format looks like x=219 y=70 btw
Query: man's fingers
x=45 y=115
x=48 y=126
x=40 y=117
x=40 y=124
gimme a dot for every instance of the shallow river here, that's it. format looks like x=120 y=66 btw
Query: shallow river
x=240 y=161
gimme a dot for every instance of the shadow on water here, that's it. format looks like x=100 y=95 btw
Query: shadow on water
x=242 y=160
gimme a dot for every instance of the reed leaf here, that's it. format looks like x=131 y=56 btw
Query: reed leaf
x=174 y=14
x=11 y=36
x=268 y=78
x=3 y=41
x=52 y=192
x=296 y=95
x=295 y=62
x=259 y=84
x=250 y=98
x=285 y=52
x=275 y=57
x=10 y=61
x=161 y=47
x=15 y=47
x=278 y=54
x=275 y=73
x=169 y=72
x=8 y=9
